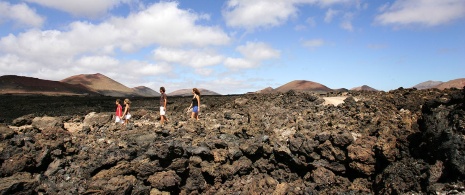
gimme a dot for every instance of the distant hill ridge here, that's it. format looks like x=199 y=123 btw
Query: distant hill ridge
x=363 y=88
x=145 y=91
x=101 y=84
x=428 y=84
x=12 y=84
x=188 y=92
x=298 y=85
x=456 y=83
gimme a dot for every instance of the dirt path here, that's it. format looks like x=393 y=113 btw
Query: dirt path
x=335 y=100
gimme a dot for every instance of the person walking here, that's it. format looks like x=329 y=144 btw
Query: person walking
x=163 y=102
x=126 y=115
x=195 y=105
x=119 y=112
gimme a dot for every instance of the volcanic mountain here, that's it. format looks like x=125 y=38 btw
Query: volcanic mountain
x=145 y=91
x=266 y=90
x=363 y=88
x=428 y=84
x=303 y=85
x=188 y=92
x=12 y=84
x=456 y=83
x=101 y=84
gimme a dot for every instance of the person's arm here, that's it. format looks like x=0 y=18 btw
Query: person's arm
x=125 y=110
x=164 y=104
x=198 y=103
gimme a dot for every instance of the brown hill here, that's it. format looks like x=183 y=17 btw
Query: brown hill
x=456 y=83
x=428 y=84
x=188 y=92
x=266 y=90
x=12 y=84
x=145 y=91
x=363 y=88
x=101 y=84
x=302 y=85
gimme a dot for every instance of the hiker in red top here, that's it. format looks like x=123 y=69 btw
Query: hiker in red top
x=119 y=112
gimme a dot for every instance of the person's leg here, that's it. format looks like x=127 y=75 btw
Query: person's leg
x=162 y=116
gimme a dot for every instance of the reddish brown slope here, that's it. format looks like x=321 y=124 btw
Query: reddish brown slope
x=363 y=88
x=102 y=84
x=456 y=83
x=188 y=92
x=302 y=85
x=146 y=92
x=12 y=84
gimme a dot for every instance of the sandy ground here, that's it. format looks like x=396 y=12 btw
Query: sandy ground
x=335 y=100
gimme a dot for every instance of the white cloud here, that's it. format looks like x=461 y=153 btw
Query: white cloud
x=332 y=2
x=165 y=24
x=88 y=8
x=12 y=64
x=144 y=69
x=423 y=12
x=21 y=14
x=314 y=43
x=254 y=14
x=330 y=14
x=228 y=85
x=258 y=13
x=240 y=63
x=204 y=71
x=258 y=51
x=100 y=62
x=346 y=23
x=311 y=22
x=254 y=54
x=88 y=47
x=192 y=58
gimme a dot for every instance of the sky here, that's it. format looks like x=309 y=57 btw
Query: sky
x=236 y=46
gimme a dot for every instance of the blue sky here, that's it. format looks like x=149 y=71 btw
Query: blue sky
x=236 y=46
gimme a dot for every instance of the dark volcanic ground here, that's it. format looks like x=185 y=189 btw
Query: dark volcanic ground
x=402 y=141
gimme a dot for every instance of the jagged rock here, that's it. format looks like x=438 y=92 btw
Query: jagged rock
x=362 y=155
x=116 y=185
x=44 y=123
x=23 y=120
x=5 y=132
x=97 y=119
x=164 y=180
x=392 y=180
x=19 y=183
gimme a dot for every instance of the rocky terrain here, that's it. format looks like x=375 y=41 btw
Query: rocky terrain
x=404 y=141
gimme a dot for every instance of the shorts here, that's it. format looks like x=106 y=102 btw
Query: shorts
x=162 y=111
x=128 y=116
x=118 y=120
x=195 y=109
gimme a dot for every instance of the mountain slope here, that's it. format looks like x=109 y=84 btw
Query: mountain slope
x=363 y=88
x=428 y=84
x=303 y=85
x=146 y=92
x=12 y=84
x=456 y=83
x=188 y=92
x=101 y=84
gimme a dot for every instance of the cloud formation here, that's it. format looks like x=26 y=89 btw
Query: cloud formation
x=83 y=45
x=81 y=7
x=254 y=54
x=193 y=58
x=20 y=15
x=423 y=12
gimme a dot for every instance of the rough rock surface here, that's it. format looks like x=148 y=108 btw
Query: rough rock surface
x=397 y=142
